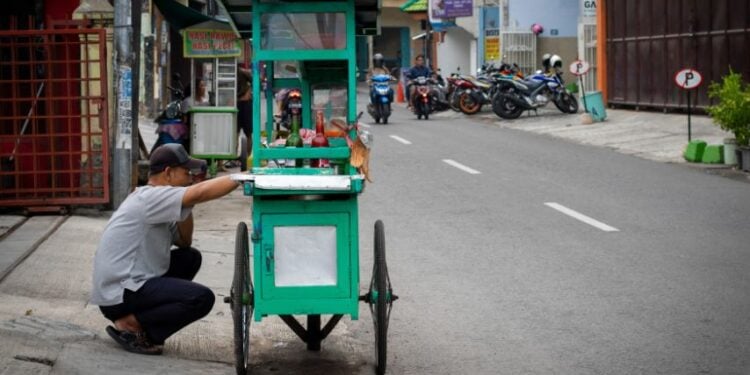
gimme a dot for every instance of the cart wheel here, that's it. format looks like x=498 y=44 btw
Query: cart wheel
x=242 y=300
x=380 y=298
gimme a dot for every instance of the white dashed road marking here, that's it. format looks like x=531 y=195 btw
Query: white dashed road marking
x=461 y=166
x=579 y=216
x=404 y=141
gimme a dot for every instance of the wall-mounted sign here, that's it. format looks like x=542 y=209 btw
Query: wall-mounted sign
x=491 y=48
x=588 y=8
x=210 y=43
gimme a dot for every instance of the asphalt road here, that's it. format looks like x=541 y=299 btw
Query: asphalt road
x=496 y=275
x=524 y=254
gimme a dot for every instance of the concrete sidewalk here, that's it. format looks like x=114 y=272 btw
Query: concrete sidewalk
x=649 y=135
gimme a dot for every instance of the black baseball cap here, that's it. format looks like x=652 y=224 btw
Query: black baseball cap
x=174 y=155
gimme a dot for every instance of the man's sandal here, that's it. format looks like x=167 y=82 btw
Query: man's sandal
x=133 y=342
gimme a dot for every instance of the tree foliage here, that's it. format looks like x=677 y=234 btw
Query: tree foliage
x=732 y=113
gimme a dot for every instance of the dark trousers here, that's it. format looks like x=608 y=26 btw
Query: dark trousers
x=164 y=305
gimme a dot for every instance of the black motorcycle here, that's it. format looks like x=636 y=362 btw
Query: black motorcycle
x=516 y=96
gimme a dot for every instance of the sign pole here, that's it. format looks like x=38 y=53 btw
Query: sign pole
x=688 y=79
x=689 y=125
x=583 y=95
x=579 y=68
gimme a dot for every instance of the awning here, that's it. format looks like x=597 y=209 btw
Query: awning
x=180 y=16
x=414 y=6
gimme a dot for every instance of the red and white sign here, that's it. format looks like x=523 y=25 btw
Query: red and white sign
x=688 y=79
x=579 y=67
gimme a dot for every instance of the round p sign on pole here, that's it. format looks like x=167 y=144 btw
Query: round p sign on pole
x=688 y=79
x=579 y=68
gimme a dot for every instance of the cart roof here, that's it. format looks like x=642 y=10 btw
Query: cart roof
x=366 y=15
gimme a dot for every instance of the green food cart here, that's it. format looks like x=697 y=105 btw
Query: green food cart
x=213 y=48
x=304 y=235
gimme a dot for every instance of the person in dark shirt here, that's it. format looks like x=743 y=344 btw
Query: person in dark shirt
x=418 y=70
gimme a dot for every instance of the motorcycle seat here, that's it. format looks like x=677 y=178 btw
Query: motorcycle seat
x=478 y=83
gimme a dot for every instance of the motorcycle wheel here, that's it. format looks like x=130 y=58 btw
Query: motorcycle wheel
x=425 y=109
x=453 y=102
x=505 y=108
x=467 y=105
x=567 y=103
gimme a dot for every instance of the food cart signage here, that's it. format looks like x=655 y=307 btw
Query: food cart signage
x=210 y=43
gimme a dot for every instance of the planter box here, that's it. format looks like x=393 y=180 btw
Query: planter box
x=694 y=151
x=713 y=154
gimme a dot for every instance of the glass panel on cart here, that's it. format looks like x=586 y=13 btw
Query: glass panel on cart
x=203 y=74
x=305 y=255
x=303 y=31
x=332 y=100
x=285 y=69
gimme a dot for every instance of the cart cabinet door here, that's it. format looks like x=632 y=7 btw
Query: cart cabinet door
x=305 y=256
x=213 y=133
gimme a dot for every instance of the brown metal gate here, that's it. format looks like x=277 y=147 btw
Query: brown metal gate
x=53 y=117
x=648 y=41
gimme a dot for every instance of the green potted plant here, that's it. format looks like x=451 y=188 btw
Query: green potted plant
x=732 y=113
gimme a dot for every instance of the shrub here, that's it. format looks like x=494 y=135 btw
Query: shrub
x=732 y=113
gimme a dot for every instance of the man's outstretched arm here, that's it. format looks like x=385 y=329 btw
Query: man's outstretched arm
x=208 y=190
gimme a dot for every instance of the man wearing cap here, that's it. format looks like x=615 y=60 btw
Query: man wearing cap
x=140 y=283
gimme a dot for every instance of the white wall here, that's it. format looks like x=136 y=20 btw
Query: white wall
x=456 y=51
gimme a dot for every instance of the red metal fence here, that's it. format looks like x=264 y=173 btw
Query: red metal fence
x=54 y=142
x=648 y=41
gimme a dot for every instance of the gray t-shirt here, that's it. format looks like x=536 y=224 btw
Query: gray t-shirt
x=136 y=243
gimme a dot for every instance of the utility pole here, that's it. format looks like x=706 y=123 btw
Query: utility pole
x=125 y=151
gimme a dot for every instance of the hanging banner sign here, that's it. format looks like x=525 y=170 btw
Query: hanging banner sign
x=436 y=13
x=210 y=43
x=458 y=8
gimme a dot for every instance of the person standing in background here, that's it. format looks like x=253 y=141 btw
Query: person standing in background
x=245 y=106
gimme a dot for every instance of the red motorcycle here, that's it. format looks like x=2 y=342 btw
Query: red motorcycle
x=421 y=100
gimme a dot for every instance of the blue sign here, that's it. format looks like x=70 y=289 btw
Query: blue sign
x=457 y=8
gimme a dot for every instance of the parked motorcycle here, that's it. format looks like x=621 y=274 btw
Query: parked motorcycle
x=476 y=91
x=456 y=82
x=291 y=105
x=172 y=121
x=381 y=97
x=535 y=92
x=439 y=92
x=421 y=100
